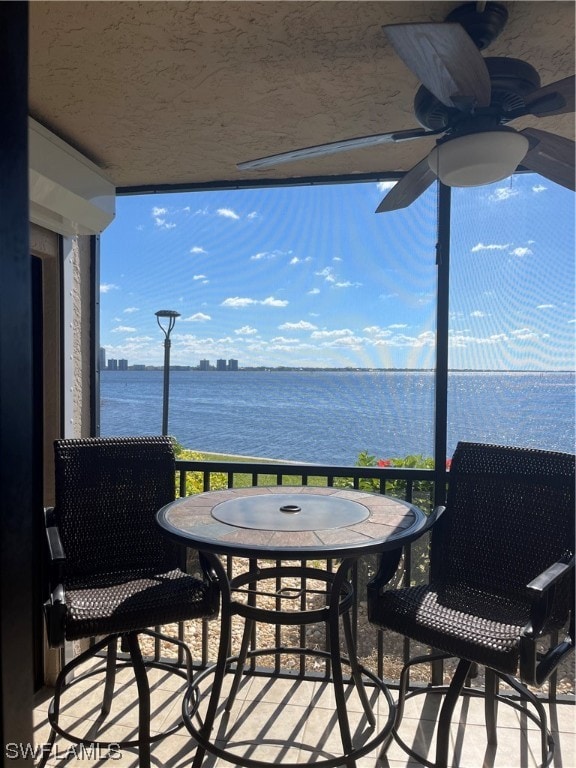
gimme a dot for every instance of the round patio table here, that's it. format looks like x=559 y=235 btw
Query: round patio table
x=286 y=524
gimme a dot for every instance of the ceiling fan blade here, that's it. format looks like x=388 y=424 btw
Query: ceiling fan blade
x=335 y=146
x=408 y=188
x=551 y=156
x=445 y=60
x=553 y=99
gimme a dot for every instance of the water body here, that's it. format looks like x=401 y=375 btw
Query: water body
x=331 y=416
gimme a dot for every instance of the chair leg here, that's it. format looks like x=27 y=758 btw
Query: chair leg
x=447 y=710
x=111 y=660
x=491 y=705
x=143 y=699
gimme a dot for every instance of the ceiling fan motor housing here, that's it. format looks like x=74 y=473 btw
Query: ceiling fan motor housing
x=511 y=79
x=483 y=26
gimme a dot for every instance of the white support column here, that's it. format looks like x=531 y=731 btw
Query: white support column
x=68 y=361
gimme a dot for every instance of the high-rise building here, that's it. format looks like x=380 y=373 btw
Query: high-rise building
x=112 y=364
x=122 y=365
x=204 y=365
x=232 y=365
x=220 y=365
x=102 y=358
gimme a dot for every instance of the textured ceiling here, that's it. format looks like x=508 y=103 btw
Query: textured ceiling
x=177 y=93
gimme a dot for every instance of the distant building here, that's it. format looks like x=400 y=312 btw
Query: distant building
x=112 y=364
x=139 y=367
x=232 y=365
x=122 y=365
x=220 y=365
x=102 y=359
x=204 y=365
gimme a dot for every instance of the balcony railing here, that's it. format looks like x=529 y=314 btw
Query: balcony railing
x=384 y=653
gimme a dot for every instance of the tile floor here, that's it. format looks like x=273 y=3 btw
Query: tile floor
x=301 y=713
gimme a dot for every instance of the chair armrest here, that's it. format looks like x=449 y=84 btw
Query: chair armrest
x=538 y=586
x=55 y=617
x=55 y=546
x=541 y=591
x=535 y=667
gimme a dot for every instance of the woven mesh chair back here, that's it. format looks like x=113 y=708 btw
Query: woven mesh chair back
x=509 y=515
x=107 y=493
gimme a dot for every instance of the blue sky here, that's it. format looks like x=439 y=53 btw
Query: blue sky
x=311 y=276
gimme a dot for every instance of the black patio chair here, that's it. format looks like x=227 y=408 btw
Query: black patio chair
x=501 y=581
x=113 y=572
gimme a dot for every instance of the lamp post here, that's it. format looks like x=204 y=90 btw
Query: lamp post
x=170 y=316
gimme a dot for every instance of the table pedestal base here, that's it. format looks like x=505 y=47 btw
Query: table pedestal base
x=248 y=596
x=275 y=732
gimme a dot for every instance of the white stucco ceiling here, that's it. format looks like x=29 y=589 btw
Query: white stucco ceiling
x=179 y=92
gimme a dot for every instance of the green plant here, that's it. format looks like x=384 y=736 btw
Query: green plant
x=422 y=495
x=195 y=480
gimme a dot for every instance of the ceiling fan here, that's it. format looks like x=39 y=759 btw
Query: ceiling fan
x=467 y=101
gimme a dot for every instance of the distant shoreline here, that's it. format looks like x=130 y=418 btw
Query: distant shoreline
x=301 y=369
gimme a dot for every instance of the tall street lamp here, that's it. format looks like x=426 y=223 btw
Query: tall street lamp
x=169 y=316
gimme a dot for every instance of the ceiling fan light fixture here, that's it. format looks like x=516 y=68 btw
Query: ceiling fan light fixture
x=478 y=158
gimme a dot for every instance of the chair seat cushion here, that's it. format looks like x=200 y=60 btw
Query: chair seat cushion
x=125 y=602
x=461 y=621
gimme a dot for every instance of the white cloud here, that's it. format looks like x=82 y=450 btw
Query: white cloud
x=336 y=334
x=272 y=302
x=347 y=284
x=524 y=333
x=539 y=188
x=130 y=310
x=384 y=186
x=395 y=326
x=520 y=252
x=296 y=260
x=253 y=215
x=163 y=224
x=489 y=247
x=313 y=291
x=246 y=330
x=301 y=325
x=237 y=301
x=268 y=255
x=199 y=317
x=503 y=193
x=158 y=215
x=107 y=287
x=228 y=213
x=477 y=313
x=283 y=340
x=199 y=277
x=123 y=329
x=197 y=249
x=327 y=273
x=546 y=306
